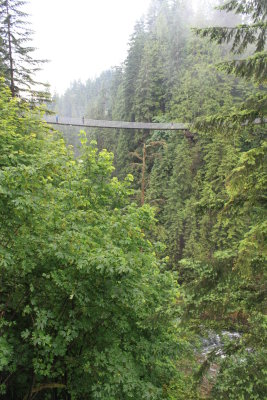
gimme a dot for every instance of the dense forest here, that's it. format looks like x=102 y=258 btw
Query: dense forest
x=133 y=263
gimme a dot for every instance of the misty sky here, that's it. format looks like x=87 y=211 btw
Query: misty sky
x=82 y=38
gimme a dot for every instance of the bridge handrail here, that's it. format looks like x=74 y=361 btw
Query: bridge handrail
x=94 y=123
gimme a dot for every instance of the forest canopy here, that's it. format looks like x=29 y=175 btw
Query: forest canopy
x=86 y=307
x=102 y=298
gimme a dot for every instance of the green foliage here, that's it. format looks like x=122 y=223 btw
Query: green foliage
x=201 y=90
x=132 y=68
x=207 y=185
x=210 y=192
x=224 y=287
x=86 y=307
x=254 y=66
x=151 y=81
x=242 y=36
x=17 y=63
x=242 y=373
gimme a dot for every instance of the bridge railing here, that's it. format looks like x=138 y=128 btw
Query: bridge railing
x=93 y=123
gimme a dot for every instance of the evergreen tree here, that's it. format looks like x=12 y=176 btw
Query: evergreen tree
x=226 y=269
x=200 y=89
x=132 y=67
x=208 y=187
x=241 y=36
x=155 y=9
x=18 y=64
x=151 y=82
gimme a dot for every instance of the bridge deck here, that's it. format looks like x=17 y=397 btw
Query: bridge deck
x=93 y=123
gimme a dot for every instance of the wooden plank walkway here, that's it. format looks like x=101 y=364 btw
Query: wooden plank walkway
x=95 y=123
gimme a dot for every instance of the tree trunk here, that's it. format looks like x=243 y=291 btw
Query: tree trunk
x=10 y=56
x=143 y=176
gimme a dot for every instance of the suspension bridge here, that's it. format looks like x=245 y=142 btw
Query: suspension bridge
x=95 y=123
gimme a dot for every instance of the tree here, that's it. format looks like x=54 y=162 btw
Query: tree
x=87 y=310
x=198 y=74
x=132 y=67
x=18 y=64
x=226 y=260
x=151 y=82
x=243 y=35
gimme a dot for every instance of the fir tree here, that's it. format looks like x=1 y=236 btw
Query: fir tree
x=18 y=64
x=243 y=35
x=151 y=82
x=226 y=286
x=132 y=67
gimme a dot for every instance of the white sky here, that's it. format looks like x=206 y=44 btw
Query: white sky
x=81 y=38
